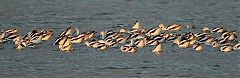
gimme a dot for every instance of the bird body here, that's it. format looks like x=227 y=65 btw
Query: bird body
x=158 y=48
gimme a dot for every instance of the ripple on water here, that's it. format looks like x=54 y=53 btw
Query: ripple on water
x=100 y=18
x=103 y=13
x=216 y=67
x=163 y=75
x=147 y=67
x=185 y=76
x=162 y=2
x=212 y=4
x=237 y=16
x=111 y=68
x=49 y=22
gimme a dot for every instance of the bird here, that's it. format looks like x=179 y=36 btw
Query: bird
x=173 y=27
x=12 y=37
x=187 y=36
x=94 y=43
x=226 y=48
x=129 y=40
x=32 y=33
x=66 y=48
x=199 y=35
x=232 y=37
x=152 y=42
x=102 y=34
x=67 y=45
x=184 y=44
x=218 y=29
x=20 y=46
x=192 y=42
x=91 y=34
x=160 y=38
x=173 y=37
x=102 y=46
x=67 y=31
x=124 y=48
x=140 y=43
x=79 y=38
x=60 y=40
x=24 y=40
x=176 y=42
x=110 y=34
x=47 y=35
x=158 y=48
x=154 y=31
x=197 y=47
x=164 y=35
x=136 y=25
x=122 y=30
x=236 y=47
x=16 y=40
x=134 y=36
x=227 y=34
x=77 y=31
x=132 y=49
x=133 y=31
x=121 y=39
x=11 y=31
x=2 y=36
x=37 y=38
x=111 y=42
x=87 y=43
x=215 y=44
x=142 y=31
x=206 y=39
x=206 y=30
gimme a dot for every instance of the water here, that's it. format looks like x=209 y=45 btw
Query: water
x=47 y=62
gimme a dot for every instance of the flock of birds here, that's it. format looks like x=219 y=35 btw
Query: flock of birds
x=128 y=41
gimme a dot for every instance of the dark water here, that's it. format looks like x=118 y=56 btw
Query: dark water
x=47 y=62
